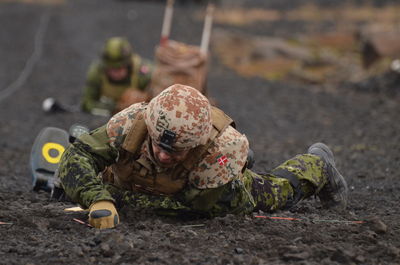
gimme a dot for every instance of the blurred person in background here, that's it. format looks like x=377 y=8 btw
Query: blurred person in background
x=118 y=80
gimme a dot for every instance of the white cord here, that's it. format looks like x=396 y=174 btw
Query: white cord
x=30 y=63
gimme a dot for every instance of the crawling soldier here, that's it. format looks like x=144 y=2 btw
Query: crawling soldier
x=181 y=154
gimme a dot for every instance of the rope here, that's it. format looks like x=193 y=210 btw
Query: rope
x=30 y=63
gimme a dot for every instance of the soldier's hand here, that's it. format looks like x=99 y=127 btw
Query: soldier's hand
x=102 y=214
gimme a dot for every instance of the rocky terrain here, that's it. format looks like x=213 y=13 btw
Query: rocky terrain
x=45 y=49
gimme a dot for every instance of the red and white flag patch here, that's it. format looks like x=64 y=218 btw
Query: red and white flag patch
x=222 y=160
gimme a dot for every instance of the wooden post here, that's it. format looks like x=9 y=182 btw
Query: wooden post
x=205 y=39
x=166 y=27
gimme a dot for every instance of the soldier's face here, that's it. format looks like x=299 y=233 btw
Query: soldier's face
x=117 y=74
x=167 y=159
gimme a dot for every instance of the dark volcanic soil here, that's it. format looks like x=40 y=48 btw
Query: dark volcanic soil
x=280 y=119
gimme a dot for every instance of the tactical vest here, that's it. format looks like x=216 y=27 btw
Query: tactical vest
x=115 y=91
x=134 y=172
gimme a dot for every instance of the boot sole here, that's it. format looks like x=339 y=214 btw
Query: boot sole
x=337 y=181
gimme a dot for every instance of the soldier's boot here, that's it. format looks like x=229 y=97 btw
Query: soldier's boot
x=335 y=192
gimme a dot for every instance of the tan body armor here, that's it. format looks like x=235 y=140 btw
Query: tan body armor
x=134 y=171
x=115 y=91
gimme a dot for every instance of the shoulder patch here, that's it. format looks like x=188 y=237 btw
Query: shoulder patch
x=119 y=125
x=224 y=162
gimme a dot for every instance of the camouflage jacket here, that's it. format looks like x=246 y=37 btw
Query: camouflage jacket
x=97 y=83
x=215 y=186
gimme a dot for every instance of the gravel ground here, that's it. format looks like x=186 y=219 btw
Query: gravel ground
x=359 y=121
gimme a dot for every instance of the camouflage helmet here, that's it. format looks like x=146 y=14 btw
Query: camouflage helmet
x=117 y=52
x=179 y=118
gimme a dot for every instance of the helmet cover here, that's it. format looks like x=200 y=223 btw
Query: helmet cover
x=179 y=118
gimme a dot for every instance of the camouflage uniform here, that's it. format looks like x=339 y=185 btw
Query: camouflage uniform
x=219 y=183
x=100 y=91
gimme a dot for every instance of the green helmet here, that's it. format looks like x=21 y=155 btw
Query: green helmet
x=117 y=52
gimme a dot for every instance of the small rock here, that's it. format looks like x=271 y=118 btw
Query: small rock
x=42 y=224
x=360 y=259
x=78 y=251
x=193 y=233
x=239 y=250
x=140 y=242
x=106 y=250
x=371 y=236
x=85 y=249
x=116 y=238
x=377 y=225
x=393 y=251
x=105 y=247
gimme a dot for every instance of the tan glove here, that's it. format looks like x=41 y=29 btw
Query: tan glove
x=102 y=214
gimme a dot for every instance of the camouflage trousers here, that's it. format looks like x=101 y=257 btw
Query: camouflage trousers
x=294 y=180
x=283 y=187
